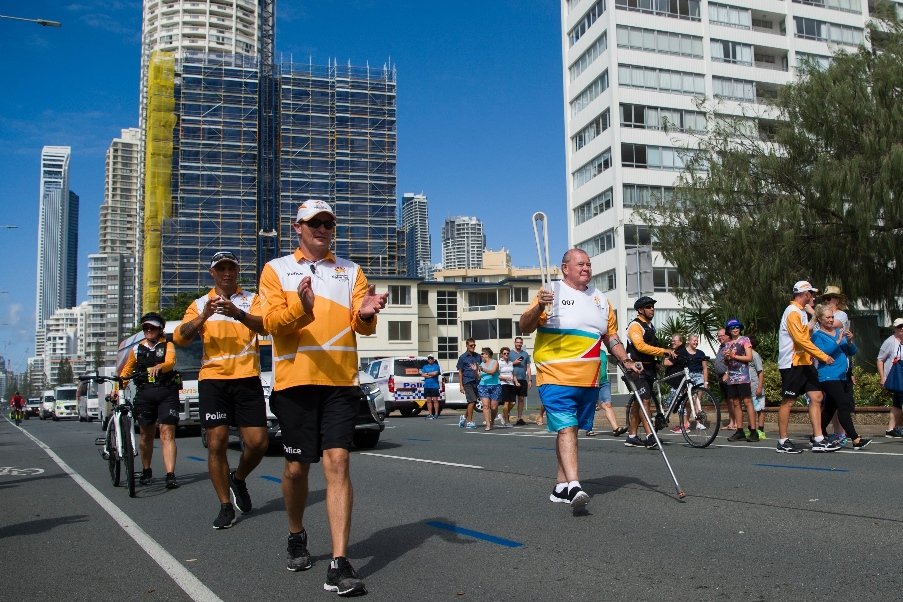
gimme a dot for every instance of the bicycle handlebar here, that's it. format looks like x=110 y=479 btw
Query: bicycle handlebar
x=100 y=378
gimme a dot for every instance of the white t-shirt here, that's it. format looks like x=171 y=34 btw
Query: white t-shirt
x=890 y=348
x=506 y=372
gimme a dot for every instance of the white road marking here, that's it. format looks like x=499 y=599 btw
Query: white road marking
x=184 y=578
x=420 y=460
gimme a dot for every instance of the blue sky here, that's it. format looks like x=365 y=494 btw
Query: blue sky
x=480 y=115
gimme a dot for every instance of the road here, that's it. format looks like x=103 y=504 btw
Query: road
x=443 y=513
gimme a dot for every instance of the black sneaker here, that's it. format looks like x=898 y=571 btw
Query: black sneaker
x=633 y=441
x=893 y=434
x=577 y=497
x=147 y=475
x=753 y=436
x=824 y=446
x=298 y=556
x=240 y=496
x=738 y=435
x=863 y=442
x=342 y=579
x=651 y=443
x=520 y=422
x=559 y=498
x=171 y=482
x=225 y=518
x=787 y=447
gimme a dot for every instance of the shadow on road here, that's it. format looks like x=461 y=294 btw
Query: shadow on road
x=15 y=481
x=388 y=545
x=40 y=525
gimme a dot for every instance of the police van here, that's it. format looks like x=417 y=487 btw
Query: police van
x=188 y=363
x=401 y=384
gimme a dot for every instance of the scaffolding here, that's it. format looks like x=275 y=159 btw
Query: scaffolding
x=160 y=122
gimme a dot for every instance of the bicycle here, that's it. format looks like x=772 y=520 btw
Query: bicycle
x=119 y=438
x=700 y=420
x=17 y=414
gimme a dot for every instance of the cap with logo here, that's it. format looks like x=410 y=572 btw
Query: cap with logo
x=311 y=207
x=221 y=256
x=803 y=286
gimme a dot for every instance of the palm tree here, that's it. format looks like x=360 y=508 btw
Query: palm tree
x=702 y=321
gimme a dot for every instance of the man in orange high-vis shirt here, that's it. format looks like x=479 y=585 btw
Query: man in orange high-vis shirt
x=313 y=304
x=229 y=388
x=798 y=375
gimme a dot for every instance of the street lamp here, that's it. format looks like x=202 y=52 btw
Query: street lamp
x=42 y=22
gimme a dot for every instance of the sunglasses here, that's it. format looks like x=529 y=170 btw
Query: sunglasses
x=316 y=223
x=147 y=327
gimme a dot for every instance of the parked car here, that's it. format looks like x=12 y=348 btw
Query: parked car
x=33 y=408
x=401 y=385
x=454 y=397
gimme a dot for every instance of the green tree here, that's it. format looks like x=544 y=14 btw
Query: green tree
x=64 y=374
x=809 y=189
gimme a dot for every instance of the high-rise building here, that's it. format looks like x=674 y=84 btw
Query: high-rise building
x=415 y=220
x=633 y=73
x=57 y=257
x=463 y=242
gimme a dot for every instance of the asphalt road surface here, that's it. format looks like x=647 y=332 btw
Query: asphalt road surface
x=444 y=513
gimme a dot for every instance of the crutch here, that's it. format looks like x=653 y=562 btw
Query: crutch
x=680 y=492
x=542 y=249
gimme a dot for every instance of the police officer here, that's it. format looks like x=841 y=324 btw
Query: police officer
x=151 y=364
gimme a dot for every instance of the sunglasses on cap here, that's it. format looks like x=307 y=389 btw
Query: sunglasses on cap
x=316 y=223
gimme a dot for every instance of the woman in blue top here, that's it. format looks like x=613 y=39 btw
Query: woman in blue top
x=490 y=388
x=838 y=343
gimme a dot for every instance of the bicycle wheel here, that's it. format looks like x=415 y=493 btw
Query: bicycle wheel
x=112 y=455
x=704 y=427
x=128 y=453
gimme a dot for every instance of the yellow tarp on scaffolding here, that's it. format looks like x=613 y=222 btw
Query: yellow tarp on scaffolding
x=160 y=122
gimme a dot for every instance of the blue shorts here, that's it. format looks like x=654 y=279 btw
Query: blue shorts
x=490 y=392
x=569 y=406
x=605 y=392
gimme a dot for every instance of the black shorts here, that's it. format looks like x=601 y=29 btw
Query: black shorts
x=738 y=391
x=314 y=418
x=521 y=388
x=231 y=401
x=897 y=400
x=797 y=380
x=430 y=392
x=470 y=392
x=641 y=382
x=509 y=394
x=157 y=404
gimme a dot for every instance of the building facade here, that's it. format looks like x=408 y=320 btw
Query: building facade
x=57 y=255
x=633 y=69
x=415 y=221
x=463 y=242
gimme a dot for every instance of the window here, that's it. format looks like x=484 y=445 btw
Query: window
x=423 y=333
x=599 y=243
x=591 y=131
x=586 y=22
x=731 y=52
x=820 y=61
x=645 y=156
x=399 y=295
x=676 y=9
x=637 y=235
x=520 y=294
x=665 y=280
x=446 y=308
x=658 y=118
x=590 y=93
x=664 y=42
x=812 y=29
x=638 y=195
x=587 y=58
x=589 y=171
x=593 y=207
x=448 y=348
x=399 y=331
x=606 y=281
x=731 y=16
x=488 y=329
x=850 y=6
x=423 y=297
x=733 y=89
x=484 y=299
x=679 y=82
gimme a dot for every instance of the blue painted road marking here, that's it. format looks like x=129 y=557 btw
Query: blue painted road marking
x=475 y=534
x=196 y=459
x=804 y=467
x=267 y=477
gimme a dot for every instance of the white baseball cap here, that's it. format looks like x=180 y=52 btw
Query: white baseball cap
x=804 y=286
x=312 y=207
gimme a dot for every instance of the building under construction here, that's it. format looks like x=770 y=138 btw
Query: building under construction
x=335 y=139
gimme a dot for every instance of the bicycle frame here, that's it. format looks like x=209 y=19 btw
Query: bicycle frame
x=682 y=391
x=115 y=423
